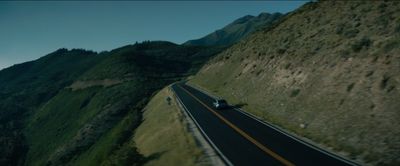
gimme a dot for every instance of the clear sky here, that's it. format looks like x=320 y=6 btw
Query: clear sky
x=29 y=30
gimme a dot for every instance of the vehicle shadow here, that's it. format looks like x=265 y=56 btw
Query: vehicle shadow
x=238 y=106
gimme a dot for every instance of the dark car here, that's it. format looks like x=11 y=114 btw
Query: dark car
x=220 y=104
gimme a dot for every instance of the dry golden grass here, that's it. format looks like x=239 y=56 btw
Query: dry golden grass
x=163 y=135
x=331 y=67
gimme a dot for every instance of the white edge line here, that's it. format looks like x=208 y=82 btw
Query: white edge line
x=297 y=139
x=203 y=133
x=284 y=132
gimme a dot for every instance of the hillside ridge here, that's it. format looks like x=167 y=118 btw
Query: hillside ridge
x=328 y=71
x=236 y=30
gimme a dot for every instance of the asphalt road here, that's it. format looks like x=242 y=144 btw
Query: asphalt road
x=240 y=139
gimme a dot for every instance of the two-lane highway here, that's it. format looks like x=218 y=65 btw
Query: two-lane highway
x=243 y=140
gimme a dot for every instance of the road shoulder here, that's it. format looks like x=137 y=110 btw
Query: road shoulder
x=167 y=135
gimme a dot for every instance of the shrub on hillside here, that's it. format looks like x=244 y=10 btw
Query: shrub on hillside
x=351 y=33
x=281 y=50
x=397 y=26
x=294 y=92
x=340 y=28
x=364 y=42
x=390 y=45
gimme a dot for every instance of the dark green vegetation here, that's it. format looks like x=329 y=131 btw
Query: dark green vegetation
x=77 y=107
x=329 y=71
x=237 y=30
x=25 y=87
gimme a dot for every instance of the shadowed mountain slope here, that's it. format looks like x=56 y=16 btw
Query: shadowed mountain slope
x=77 y=107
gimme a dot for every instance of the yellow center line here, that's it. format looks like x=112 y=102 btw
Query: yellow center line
x=241 y=132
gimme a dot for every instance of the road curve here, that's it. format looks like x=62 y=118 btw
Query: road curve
x=241 y=139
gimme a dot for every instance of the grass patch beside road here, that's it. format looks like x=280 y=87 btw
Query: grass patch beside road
x=163 y=136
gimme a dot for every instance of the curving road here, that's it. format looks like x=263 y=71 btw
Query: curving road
x=241 y=139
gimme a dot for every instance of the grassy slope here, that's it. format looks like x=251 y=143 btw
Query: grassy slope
x=92 y=124
x=71 y=121
x=331 y=67
x=113 y=148
x=48 y=130
x=41 y=79
x=25 y=87
x=163 y=136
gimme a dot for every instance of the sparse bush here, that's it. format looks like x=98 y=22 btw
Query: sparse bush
x=376 y=57
x=356 y=47
x=341 y=101
x=281 y=51
x=391 y=88
x=382 y=7
x=344 y=54
x=332 y=65
x=397 y=28
x=294 y=92
x=364 y=42
x=126 y=155
x=369 y=73
x=340 y=28
x=287 y=66
x=317 y=48
x=350 y=87
x=351 y=33
x=366 y=9
x=372 y=107
x=383 y=21
x=384 y=82
x=391 y=45
x=259 y=72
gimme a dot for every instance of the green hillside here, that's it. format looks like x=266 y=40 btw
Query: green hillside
x=77 y=107
x=237 y=30
x=25 y=87
x=329 y=71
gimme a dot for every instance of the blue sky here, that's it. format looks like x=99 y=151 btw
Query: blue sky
x=29 y=30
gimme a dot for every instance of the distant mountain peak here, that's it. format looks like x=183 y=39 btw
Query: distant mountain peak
x=243 y=19
x=265 y=14
x=236 y=30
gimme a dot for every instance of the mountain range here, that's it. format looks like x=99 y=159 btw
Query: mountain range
x=237 y=30
x=327 y=72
